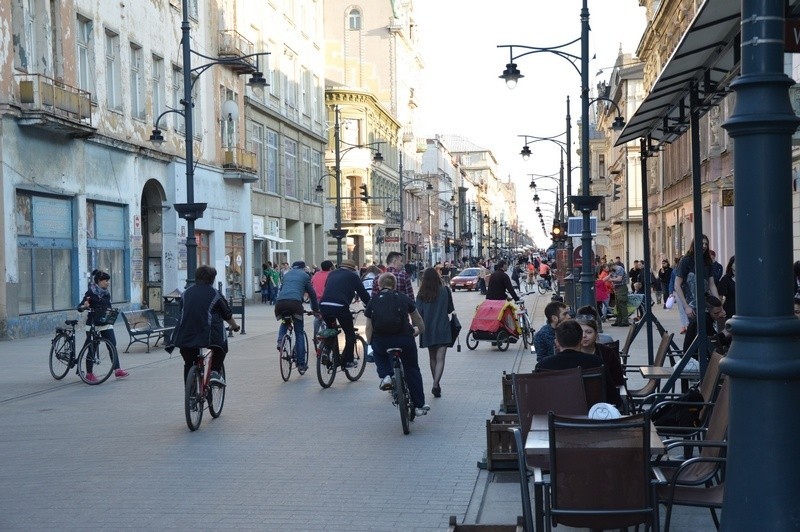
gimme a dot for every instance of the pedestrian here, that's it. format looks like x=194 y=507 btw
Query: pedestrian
x=664 y=278
x=620 y=280
x=727 y=288
x=435 y=304
x=601 y=292
x=689 y=285
x=635 y=275
x=716 y=267
x=394 y=263
x=681 y=312
x=371 y=274
x=263 y=284
x=98 y=298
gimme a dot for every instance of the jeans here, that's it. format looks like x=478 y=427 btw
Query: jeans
x=109 y=335
x=345 y=319
x=295 y=308
x=383 y=362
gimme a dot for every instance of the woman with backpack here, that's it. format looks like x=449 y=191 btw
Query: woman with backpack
x=435 y=303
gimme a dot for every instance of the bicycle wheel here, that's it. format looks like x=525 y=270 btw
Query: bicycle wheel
x=193 y=398
x=503 y=339
x=472 y=342
x=60 y=356
x=300 y=369
x=360 y=358
x=542 y=287
x=102 y=354
x=527 y=331
x=326 y=369
x=401 y=391
x=285 y=357
x=216 y=399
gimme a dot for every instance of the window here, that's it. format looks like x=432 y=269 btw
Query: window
x=290 y=167
x=157 y=86
x=113 y=85
x=202 y=238
x=305 y=174
x=290 y=84
x=228 y=124
x=106 y=240
x=257 y=145
x=305 y=96
x=192 y=4
x=177 y=96
x=354 y=19
x=316 y=175
x=315 y=100
x=137 y=82
x=274 y=75
x=272 y=161
x=85 y=55
x=45 y=252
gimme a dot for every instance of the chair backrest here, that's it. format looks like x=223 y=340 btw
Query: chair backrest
x=710 y=383
x=717 y=431
x=651 y=386
x=559 y=391
x=594 y=385
x=626 y=346
x=600 y=472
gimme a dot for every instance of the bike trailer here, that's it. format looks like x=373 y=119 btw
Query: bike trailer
x=492 y=316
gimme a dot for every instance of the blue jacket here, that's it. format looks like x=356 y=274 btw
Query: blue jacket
x=672 y=281
x=297 y=283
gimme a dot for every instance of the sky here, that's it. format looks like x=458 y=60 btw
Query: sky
x=461 y=93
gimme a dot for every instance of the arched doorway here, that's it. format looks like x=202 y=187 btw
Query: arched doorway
x=152 y=242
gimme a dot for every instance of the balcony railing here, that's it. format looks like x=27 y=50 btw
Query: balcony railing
x=355 y=211
x=239 y=163
x=234 y=44
x=54 y=105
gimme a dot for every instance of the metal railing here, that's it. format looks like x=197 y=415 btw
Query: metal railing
x=38 y=92
x=239 y=159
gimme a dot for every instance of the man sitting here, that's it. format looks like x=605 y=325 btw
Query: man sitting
x=544 y=341
x=569 y=335
x=714 y=324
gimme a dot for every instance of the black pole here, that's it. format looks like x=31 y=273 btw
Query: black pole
x=191 y=243
x=587 y=202
x=648 y=307
x=570 y=245
x=761 y=492
x=338 y=176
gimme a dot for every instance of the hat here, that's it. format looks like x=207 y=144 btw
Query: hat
x=299 y=264
x=349 y=264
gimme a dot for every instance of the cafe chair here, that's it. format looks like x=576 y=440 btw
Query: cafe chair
x=594 y=385
x=624 y=352
x=600 y=475
x=560 y=391
x=638 y=398
x=698 y=481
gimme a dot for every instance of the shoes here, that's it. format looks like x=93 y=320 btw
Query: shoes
x=121 y=373
x=436 y=391
x=386 y=383
x=350 y=365
x=302 y=368
x=369 y=357
x=217 y=379
x=422 y=411
x=426 y=407
x=90 y=377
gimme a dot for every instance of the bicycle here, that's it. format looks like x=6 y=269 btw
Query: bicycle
x=287 y=351
x=91 y=359
x=401 y=396
x=524 y=322
x=328 y=359
x=200 y=390
x=544 y=285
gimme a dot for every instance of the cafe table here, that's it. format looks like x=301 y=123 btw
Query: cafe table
x=537 y=450
x=665 y=372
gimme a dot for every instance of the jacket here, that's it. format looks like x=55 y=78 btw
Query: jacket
x=297 y=283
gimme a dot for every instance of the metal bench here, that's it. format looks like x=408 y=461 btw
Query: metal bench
x=143 y=325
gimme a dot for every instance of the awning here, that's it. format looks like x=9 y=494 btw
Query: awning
x=708 y=55
x=271 y=238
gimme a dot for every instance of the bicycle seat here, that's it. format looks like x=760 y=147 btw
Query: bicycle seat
x=71 y=322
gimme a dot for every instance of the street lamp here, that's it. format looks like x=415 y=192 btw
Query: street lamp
x=191 y=211
x=338 y=233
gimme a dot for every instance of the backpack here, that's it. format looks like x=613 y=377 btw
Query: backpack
x=389 y=314
x=680 y=415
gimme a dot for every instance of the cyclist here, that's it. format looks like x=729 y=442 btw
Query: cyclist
x=318 y=281
x=500 y=283
x=544 y=272
x=203 y=310
x=98 y=298
x=342 y=286
x=296 y=283
x=381 y=339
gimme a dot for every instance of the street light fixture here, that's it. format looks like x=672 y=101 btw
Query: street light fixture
x=191 y=211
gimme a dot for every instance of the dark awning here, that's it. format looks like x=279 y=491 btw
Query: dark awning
x=708 y=55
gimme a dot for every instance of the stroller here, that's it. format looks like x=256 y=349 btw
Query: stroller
x=495 y=322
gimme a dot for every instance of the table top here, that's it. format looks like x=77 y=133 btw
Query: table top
x=537 y=444
x=665 y=372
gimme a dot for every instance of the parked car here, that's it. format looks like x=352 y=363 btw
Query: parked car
x=466 y=279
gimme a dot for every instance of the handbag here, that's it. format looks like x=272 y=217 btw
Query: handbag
x=455 y=329
x=668 y=304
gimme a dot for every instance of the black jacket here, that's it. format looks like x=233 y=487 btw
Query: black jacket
x=203 y=311
x=499 y=284
x=342 y=286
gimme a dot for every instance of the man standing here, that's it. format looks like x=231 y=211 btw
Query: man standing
x=635 y=275
x=394 y=263
x=716 y=267
x=619 y=279
x=500 y=284
x=544 y=341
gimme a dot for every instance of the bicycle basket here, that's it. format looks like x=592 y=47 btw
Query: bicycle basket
x=109 y=317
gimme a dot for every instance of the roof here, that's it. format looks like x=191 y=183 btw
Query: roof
x=708 y=55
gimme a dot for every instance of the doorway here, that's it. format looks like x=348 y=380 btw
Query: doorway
x=147 y=249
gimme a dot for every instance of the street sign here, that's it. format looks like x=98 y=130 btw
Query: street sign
x=391 y=239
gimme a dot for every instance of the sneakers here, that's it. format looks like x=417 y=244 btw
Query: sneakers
x=120 y=373
x=422 y=411
x=217 y=379
x=386 y=383
x=350 y=365
x=302 y=368
x=90 y=377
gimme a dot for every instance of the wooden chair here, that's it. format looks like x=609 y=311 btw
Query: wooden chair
x=698 y=481
x=637 y=398
x=559 y=391
x=594 y=485
x=624 y=352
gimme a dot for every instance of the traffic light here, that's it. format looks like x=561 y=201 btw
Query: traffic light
x=364 y=193
x=615 y=193
x=557 y=233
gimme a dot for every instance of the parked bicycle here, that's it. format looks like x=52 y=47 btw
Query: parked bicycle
x=92 y=358
x=287 y=352
x=524 y=322
x=200 y=390
x=401 y=396
x=329 y=359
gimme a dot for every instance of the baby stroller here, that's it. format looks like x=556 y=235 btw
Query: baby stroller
x=495 y=322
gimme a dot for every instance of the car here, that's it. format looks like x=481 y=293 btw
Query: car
x=466 y=279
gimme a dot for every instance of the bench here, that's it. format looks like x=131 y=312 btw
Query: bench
x=143 y=325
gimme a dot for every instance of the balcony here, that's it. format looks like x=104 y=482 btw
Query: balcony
x=54 y=106
x=356 y=212
x=239 y=165
x=233 y=44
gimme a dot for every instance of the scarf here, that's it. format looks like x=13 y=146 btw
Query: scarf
x=99 y=292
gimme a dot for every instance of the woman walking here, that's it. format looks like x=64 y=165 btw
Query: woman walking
x=98 y=298
x=435 y=303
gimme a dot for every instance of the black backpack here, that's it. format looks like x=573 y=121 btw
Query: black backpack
x=680 y=415
x=389 y=314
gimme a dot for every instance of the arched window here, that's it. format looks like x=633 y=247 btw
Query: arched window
x=354 y=19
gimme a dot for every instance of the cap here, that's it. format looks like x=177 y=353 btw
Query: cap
x=349 y=264
x=299 y=264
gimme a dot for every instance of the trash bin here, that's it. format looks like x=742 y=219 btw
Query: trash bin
x=172 y=307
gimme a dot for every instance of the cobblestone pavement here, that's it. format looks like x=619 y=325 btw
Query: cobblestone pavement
x=283 y=456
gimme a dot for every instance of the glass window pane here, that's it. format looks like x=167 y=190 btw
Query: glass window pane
x=62 y=288
x=43 y=278
x=25 y=281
